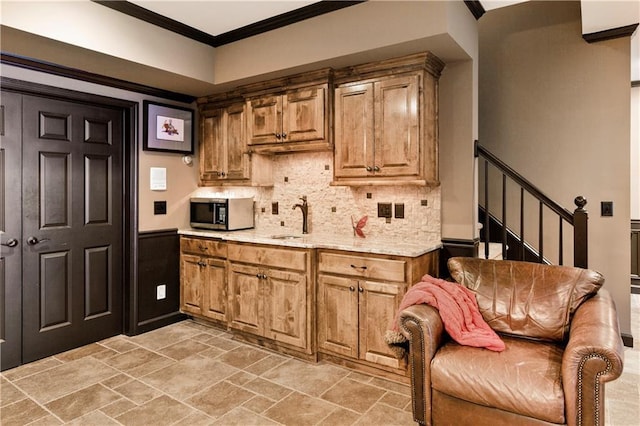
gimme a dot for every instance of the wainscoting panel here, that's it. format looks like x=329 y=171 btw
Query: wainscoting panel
x=158 y=265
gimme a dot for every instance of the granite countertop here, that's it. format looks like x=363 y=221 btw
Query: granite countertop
x=316 y=241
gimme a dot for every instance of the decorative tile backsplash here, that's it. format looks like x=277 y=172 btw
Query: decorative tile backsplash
x=331 y=207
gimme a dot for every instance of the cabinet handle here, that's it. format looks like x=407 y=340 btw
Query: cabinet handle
x=376 y=169
x=369 y=168
x=352 y=288
x=364 y=268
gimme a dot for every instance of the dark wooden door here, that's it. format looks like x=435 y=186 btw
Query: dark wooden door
x=72 y=227
x=10 y=223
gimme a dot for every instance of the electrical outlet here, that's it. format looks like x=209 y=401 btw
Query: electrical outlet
x=161 y=292
x=384 y=210
x=606 y=208
x=398 y=211
x=159 y=207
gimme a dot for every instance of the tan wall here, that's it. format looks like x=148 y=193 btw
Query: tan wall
x=557 y=109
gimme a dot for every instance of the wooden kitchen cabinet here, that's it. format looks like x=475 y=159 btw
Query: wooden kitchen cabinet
x=271 y=294
x=223 y=153
x=386 y=121
x=291 y=121
x=358 y=296
x=203 y=284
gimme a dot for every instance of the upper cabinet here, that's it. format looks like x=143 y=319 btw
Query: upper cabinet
x=386 y=122
x=289 y=114
x=291 y=118
x=223 y=153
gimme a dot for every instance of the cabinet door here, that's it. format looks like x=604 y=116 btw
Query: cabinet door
x=354 y=150
x=237 y=157
x=303 y=115
x=338 y=315
x=265 y=119
x=397 y=127
x=245 y=298
x=286 y=307
x=212 y=149
x=192 y=277
x=378 y=305
x=215 y=302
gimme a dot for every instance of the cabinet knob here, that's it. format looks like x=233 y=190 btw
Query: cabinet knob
x=352 y=288
x=284 y=135
x=222 y=174
x=361 y=290
x=278 y=135
x=369 y=168
x=201 y=263
x=376 y=169
x=203 y=248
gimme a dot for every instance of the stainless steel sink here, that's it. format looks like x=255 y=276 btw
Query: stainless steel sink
x=285 y=237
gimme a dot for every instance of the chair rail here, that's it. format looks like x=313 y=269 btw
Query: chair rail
x=577 y=219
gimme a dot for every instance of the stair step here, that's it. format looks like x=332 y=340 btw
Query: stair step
x=495 y=251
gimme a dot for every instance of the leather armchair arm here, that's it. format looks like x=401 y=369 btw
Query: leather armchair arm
x=423 y=328
x=592 y=357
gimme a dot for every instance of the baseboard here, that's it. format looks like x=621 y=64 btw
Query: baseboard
x=160 y=321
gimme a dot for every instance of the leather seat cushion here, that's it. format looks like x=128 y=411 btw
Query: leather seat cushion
x=524 y=298
x=524 y=379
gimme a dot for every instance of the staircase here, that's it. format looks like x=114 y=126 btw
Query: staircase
x=520 y=222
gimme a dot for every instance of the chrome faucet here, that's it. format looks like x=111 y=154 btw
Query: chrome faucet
x=304 y=207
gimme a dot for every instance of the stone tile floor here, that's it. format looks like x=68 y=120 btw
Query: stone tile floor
x=190 y=374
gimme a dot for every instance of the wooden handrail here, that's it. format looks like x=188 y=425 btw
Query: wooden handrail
x=577 y=219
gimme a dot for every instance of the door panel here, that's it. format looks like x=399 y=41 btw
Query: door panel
x=378 y=305
x=338 y=315
x=72 y=225
x=397 y=126
x=286 y=307
x=10 y=219
x=354 y=117
x=245 y=299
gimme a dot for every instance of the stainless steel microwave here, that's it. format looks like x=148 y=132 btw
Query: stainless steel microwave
x=224 y=214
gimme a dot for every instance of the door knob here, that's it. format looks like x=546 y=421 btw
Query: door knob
x=12 y=242
x=32 y=241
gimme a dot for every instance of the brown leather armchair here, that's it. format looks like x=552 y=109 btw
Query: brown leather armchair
x=562 y=343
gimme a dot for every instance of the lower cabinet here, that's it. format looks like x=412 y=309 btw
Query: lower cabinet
x=267 y=295
x=270 y=294
x=358 y=297
x=203 y=269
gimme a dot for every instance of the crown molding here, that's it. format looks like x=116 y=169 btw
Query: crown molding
x=250 y=30
x=59 y=70
x=626 y=31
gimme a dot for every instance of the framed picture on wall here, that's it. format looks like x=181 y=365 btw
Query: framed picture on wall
x=167 y=128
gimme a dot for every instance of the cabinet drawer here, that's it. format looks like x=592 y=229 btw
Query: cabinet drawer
x=268 y=256
x=203 y=247
x=365 y=267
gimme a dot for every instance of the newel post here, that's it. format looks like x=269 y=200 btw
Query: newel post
x=580 y=217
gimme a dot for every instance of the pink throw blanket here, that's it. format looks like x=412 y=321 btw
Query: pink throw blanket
x=458 y=309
